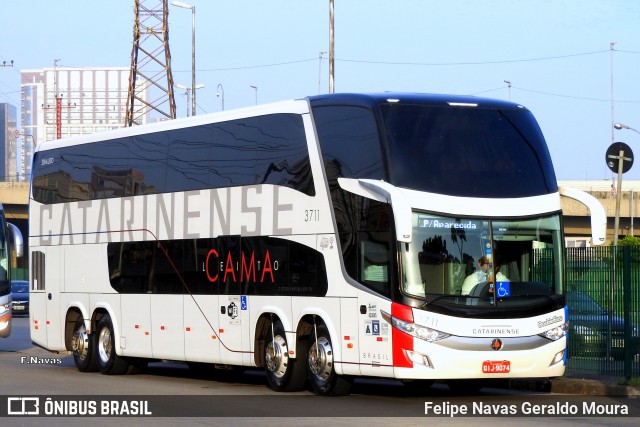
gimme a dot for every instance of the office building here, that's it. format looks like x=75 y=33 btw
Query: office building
x=8 y=142
x=90 y=100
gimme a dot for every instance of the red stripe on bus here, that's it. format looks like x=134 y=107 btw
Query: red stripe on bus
x=401 y=340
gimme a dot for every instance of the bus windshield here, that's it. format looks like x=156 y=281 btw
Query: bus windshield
x=467 y=151
x=483 y=258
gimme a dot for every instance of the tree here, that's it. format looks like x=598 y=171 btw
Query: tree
x=629 y=241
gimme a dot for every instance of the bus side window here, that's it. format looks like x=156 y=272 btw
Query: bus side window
x=374 y=261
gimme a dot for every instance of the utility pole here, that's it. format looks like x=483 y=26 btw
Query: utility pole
x=331 y=50
x=150 y=64
x=58 y=101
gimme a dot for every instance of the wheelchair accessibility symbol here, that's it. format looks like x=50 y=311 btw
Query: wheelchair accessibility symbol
x=503 y=289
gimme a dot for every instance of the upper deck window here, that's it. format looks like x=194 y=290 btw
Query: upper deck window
x=269 y=149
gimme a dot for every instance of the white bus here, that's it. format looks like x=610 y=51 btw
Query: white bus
x=323 y=238
x=11 y=246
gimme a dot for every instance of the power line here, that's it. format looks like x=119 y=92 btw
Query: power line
x=626 y=51
x=582 y=98
x=506 y=61
x=577 y=97
x=256 y=66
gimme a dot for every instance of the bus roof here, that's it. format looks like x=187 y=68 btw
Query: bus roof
x=290 y=106
x=372 y=99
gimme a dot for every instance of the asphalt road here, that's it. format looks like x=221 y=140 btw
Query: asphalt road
x=176 y=396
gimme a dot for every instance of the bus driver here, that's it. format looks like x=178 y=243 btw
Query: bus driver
x=481 y=275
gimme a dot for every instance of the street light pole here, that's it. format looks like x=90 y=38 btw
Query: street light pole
x=256 y=89
x=623 y=126
x=631 y=213
x=320 y=71
x=187 y=92
x=193 y=52
x=611 y=49
x=220 y=93
x=190 y=94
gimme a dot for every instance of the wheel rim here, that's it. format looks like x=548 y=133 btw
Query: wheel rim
x=321 y=359
x=277 y=357
x=80 y=342
x=104 y=345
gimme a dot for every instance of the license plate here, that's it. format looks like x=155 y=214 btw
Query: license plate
x=18 y=307
x=496 y=366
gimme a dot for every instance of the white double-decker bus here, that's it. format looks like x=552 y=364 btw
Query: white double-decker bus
x=11 y=246
x=323 y=238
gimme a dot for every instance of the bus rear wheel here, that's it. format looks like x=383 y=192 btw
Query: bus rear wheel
x=83 y=348
x=109 y=363
x=322 y=374
x=283 y=372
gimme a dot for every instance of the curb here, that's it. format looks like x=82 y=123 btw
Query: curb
x=592 y=388
x=576 y=386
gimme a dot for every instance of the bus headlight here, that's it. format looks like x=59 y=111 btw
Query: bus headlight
x=414 y=329
x=556 y=333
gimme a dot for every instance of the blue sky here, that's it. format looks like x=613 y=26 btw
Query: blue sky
x=555 y=53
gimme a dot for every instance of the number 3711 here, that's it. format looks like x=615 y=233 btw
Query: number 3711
x=311 y=215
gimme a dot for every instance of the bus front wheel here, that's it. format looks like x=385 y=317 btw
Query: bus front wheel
x=109 y=363
x=322 y=373
x=83 y=348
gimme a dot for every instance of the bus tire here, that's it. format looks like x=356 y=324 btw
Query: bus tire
x=109 y=363
x=283 y=372
x=321 y=370
x=83 y=348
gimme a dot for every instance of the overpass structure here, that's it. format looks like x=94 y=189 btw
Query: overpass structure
x=577 y=226
x=14 y=197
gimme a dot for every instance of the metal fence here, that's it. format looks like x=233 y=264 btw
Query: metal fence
x=19 y=274
x=603 y=296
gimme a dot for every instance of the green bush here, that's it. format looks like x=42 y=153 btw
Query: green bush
x=629 y=241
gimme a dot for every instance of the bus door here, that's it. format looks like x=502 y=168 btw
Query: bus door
x=167 y=299
x=233 y=315
x=46 y=322
x=376 y=356
x=129 y=266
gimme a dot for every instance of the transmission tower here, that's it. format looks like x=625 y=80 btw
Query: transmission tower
x=150 y=79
